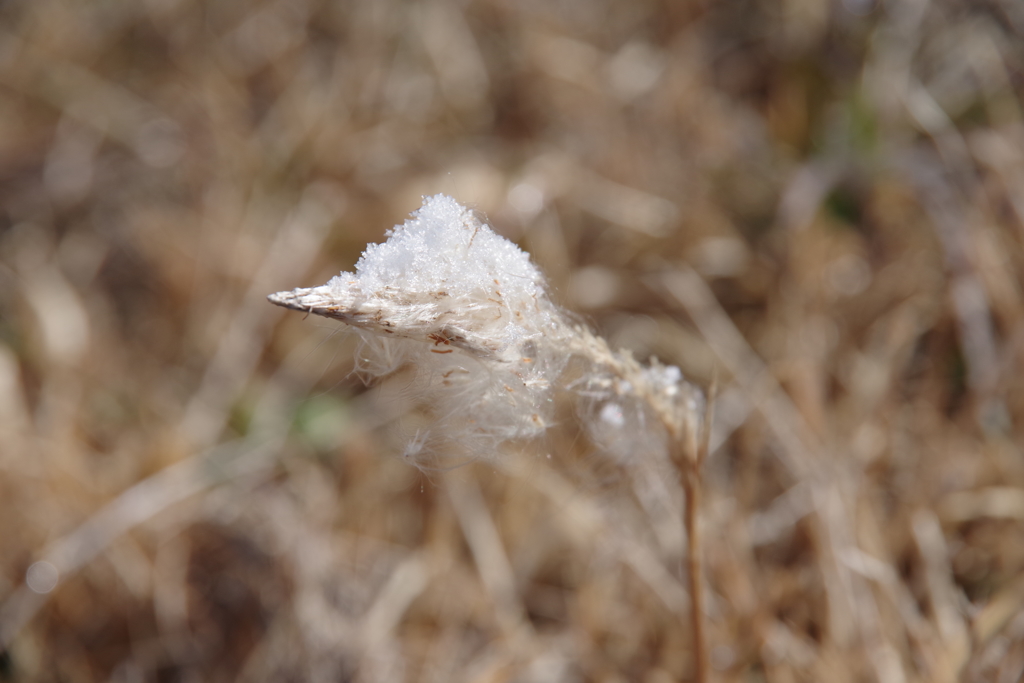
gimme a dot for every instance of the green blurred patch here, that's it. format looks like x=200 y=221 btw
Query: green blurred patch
x=240 y=418
x=844 y=204
x=325 y=422
x=862 y=131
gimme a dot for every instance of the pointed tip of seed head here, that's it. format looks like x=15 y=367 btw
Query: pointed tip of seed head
x=303 y=299
x=278 y=298
x=285 y=299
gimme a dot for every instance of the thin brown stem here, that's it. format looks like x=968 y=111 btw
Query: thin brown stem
x=692 y=485
x=692 y=451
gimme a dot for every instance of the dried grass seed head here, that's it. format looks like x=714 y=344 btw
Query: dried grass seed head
x=467 y=309
x=469 y=313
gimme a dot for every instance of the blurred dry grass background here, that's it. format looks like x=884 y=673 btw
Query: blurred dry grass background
x=824 y=200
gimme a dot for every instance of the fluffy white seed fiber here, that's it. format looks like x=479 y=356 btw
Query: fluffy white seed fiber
x=467 y=313
x=467 y=310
